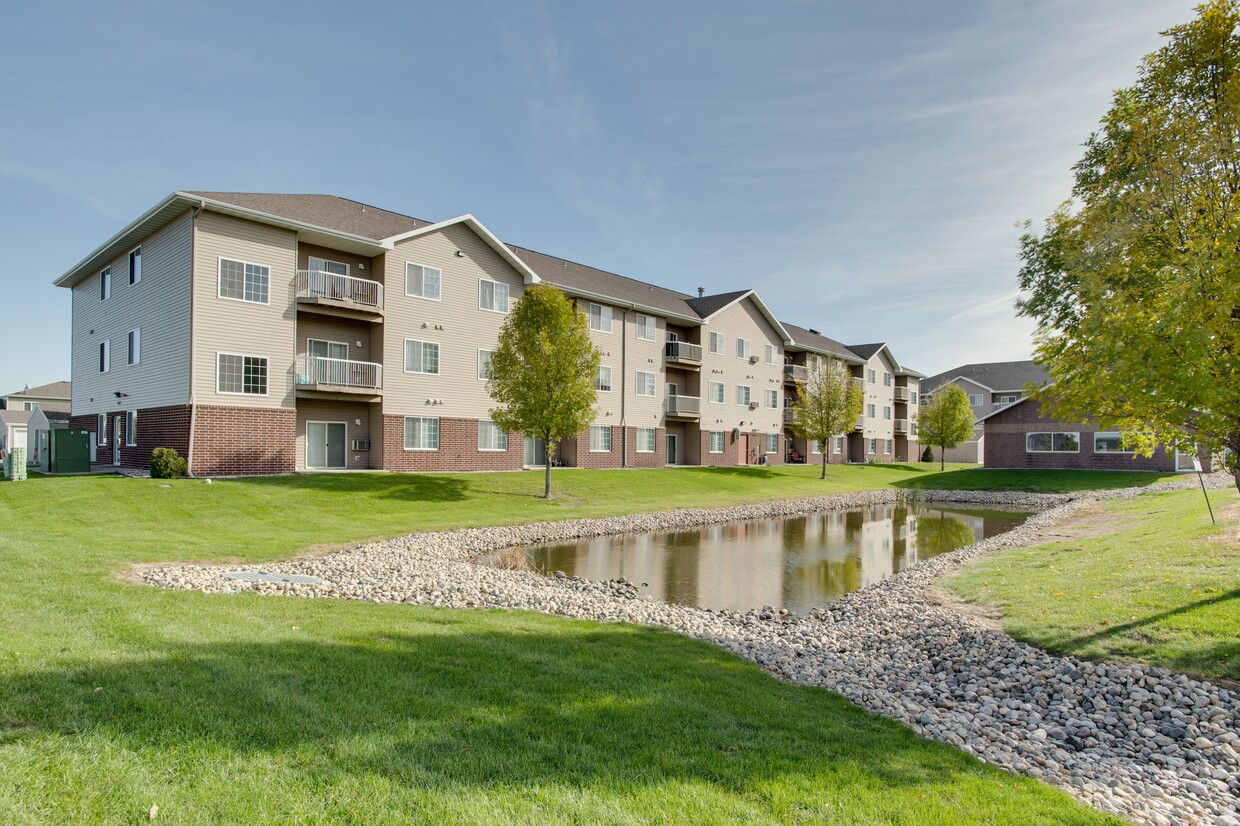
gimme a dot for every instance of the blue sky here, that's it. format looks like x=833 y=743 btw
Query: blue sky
x=863 y=165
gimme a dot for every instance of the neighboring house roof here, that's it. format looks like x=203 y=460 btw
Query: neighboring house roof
x=579 y=279
x=55 y=390
x=15 y=416
x=808 y=339
x=1003 y=409
x=995 y=376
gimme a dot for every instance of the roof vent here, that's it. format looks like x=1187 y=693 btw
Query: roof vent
x=701 y=292
x=812 y=330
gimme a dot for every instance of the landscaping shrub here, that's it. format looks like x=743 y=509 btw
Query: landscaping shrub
x=166 y=463
x=927 y=455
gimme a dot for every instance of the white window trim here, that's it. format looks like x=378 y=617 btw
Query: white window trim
x=637 y=383
x=887 y=447
x=815 y=447
x=481 y=281
x=404 y=358
x=130 y=259
x=872 y=447
x=838 y=444
x=711 y=441
x=133 y=353
x=651 y=324
x=348 y=272
x=497 y=429
x=481 y=350
x=710 y=397
x=654 y=442
x=887 y=412
x=219 y=280
x=106 y=354
x=438 y=435
x=611 y=318
x=1053 y=434
x=328 y=341
x=1107 y=434
x=723 y=343
x=975 y=400
x=772 y=399
x=744 y=348
x=590 y=438
x=105 y=284
x=748 y=395
x=220 y=392
x=770 y=436
x=131 y=427
x=101 y=430
x=870 y=412
x=598 y=379
x=425 y=267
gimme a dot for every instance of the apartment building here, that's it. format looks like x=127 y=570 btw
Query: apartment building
x=265 y=333
x=990 y=386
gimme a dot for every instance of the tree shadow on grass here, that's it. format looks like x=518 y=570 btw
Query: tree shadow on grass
x=407 y=487
x=464 y=711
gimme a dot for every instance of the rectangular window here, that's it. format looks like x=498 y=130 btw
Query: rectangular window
x=327 y=349
x=424 y=282
x=886 y=379
x=716 y=343
x=772 y=354
x=484 y=364
x=913 y=397
x=135 y=266
x=1110 y=443
x=839 y=444
x=887 y=412
x=873 y=446
x=329 y=267
x=1052 y=443
x=772 y=399
x=888 y=448
x=492 y=437
x=240 y=281
x=105 y=284
x=742 y=395
x=645 y=383
x=742 y=348
x=101 y=430
x=421 y=433
x=869 y=411
x=421 y=356
x=131 y=428
x=772 y=443
x=815 y=446
x=600 y=439
x=602 y=380
x=975 y=400
x=871 y=375
x=716 y=441
x=241 y=374
x=492 y=295
x=646 y=439
x=715 y=395
x=105 y=356
x=646 y=327
x=135 y=346
x=600 y=318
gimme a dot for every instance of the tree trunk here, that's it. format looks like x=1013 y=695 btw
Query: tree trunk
x=942 y=450
x=549 y=450
x=824 y=462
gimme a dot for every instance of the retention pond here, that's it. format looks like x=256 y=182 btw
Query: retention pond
x=798 y=563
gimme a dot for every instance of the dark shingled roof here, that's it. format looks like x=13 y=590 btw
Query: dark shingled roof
x=55 y=390
x=572 y=276
x=817 y=341
x=708 y=305
x=327 y=211
x=14 y=416
x=997 y=375
x=866 y=350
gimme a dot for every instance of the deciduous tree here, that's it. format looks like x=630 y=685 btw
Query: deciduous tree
x=1135 y=285
x=946 y=421
x=827 y=405
x=542 y=371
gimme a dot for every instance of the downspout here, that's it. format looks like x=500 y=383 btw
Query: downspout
x=193 y=260
x=624 y=392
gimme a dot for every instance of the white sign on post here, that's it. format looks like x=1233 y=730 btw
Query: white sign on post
x=1197 y=464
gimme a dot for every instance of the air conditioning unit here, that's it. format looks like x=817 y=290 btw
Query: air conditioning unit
x=361 y=444
x=753 y=405
x=753 y=359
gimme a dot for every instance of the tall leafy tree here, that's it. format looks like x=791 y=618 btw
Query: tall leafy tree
x=1135 y=284
x=542 y=371
x=827 y=405
x=946 y=421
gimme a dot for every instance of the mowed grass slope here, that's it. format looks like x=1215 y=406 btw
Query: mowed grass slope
x=1147 y=579
x=115 y=697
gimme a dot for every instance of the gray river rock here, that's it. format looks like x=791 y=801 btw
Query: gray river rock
x=1144 y=743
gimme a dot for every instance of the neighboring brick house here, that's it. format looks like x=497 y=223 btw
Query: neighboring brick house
x=1020 y=435
x=263 y=333
x=990 y=386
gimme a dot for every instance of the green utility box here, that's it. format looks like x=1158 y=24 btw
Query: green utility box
x=69 y=451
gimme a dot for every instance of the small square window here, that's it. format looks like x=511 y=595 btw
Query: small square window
x=600 y=439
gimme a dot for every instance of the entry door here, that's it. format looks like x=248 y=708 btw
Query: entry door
x=325 y=444
x=117 y=423
x=742 y=449
x=671 y=448
x=535 y=452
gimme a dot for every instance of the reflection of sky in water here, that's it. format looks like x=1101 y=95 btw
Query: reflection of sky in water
x=798 y=563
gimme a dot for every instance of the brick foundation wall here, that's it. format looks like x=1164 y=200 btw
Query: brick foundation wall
x=242 y=441
x=634 y=459
x=580 y=455
x=458 y=449
x=725 y=459
x=157 y=427
x=1004 y=446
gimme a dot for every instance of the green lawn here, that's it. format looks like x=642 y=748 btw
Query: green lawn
x=1161 y=585
x=114 y=696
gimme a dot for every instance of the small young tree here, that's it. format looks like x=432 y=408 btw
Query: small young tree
x=827 y=404
x=946 y=421
x=542 y=371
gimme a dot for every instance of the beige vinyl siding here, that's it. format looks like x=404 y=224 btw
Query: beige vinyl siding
x=742 y=320
x=610 y=347
x=359 y=266
x=879 y=395
x=159 y=306
x=315 y=410
x=647 y=356
x=225 y=326
x=455 y=322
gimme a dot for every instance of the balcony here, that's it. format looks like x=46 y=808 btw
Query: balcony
x=901 y=426
x=689 y=407
x=683 y=353
x=795 y=372
x=860 y=381
x=318 y=375
x=339 y=295
x=860 y=425
x=903 y=394
x=789 y=415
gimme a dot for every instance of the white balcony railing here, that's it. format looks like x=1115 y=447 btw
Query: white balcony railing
x=789 y=415
x=682 y=351
x=903 y=394
x=684 y=406
x=795 y=372
x=901 y=426
x=860 y=425
x=317 y=370
x=356 y=291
